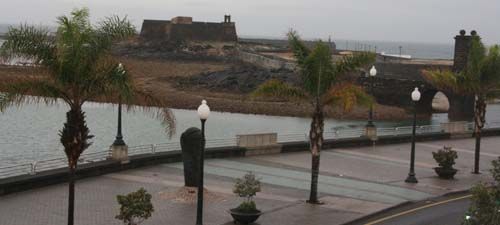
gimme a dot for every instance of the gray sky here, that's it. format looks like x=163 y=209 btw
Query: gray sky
x=392 y=20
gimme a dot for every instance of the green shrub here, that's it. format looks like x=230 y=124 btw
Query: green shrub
x=247 y=187
x=135 y=207
x=485 y=201
x=445 y=157
x=247 y=207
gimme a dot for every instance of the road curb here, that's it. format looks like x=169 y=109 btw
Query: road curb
x=353 y=222
x=403 y=204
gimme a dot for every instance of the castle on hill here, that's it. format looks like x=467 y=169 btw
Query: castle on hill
x=183 y=28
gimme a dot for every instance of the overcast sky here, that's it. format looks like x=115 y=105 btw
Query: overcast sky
x=392 y=20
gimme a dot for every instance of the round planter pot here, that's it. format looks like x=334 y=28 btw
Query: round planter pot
x=244 y=217
x=445 y=173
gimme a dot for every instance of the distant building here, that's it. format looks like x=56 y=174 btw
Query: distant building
x=185 y=29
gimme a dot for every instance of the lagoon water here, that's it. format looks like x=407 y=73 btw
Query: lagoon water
x=31 y=131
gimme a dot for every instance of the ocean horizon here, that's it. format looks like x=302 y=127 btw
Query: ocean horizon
x=416 y=50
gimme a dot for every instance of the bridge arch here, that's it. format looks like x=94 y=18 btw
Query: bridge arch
x=440 y=103
x=397 y=92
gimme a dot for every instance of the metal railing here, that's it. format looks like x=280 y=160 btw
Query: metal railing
x=38 y=166
x=395 y=131
x=50 y=164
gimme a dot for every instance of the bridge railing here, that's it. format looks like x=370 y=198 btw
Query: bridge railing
x=175 y=146
x=38 y=166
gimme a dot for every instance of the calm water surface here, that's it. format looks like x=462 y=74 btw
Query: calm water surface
x=31 y=131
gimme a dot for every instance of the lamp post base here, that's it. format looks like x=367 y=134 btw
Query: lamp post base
x=411 y=179
x=120 y=153
x=371 y=131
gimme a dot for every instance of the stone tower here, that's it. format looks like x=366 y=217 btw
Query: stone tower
x=461 y=107
x=462 y=46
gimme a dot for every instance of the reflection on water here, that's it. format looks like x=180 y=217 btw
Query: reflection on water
x=31 y=131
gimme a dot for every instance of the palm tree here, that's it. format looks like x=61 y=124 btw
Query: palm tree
x=75 y=65
x=323 y=83
x=480 y=78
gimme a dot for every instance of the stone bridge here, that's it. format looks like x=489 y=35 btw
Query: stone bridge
x=397 y=92
x=397 y=78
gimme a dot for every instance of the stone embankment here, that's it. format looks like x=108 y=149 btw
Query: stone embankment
x=266 y=61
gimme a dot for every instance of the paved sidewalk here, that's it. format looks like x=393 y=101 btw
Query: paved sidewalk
x=353 y=182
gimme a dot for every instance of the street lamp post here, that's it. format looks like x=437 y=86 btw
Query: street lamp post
x=119 y=150
x=415 y=96
x=203 y=113
x=371 y=130
x=119 y=137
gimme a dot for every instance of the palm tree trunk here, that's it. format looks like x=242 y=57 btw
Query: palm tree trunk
x=71 y=197
x=316 y=142
x=479 y=121
x=477 y=151
x=74 y=138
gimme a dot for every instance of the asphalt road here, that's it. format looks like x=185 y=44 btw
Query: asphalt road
x=449 y=211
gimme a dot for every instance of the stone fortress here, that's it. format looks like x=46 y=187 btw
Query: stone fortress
x=183 y=28
x=396 y=76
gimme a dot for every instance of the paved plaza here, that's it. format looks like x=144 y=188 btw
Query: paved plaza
x=353 y=182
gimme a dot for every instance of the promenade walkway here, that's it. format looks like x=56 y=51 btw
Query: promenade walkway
x=353 y=182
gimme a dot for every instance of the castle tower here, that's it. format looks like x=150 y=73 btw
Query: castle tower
x=461 y=107
x=462 y=46
x=227 y=18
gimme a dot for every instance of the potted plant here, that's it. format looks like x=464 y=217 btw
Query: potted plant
x=246 y=187
x=135 y=207
x=446 y=159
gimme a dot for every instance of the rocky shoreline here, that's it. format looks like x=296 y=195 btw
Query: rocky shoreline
x=165 y=85
x=186 y=74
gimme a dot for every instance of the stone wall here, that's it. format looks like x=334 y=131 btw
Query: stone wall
x=408 y=71
x=199 y=31
x=154 y=29
x=267 y=62
x=183 y=29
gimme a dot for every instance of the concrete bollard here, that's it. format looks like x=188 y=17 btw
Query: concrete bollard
x=191 y=148
x=259 y=144
x=454 y=127
x=120 y=153
x=371 y=133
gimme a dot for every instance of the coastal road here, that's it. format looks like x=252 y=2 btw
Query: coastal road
x=444 y=211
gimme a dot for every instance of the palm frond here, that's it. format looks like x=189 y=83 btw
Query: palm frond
x=28 y=42
x=317 y=73
x=477 y=54
x=490 y=69
x=353 y=62
x=31 y=90
x=443 y=79
x=6 y=100
x=278 y=89
x=347 y=95
x=112 y=82
x=107 y=79
x=300 y=51
x=162 y=112
x=116 y=28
